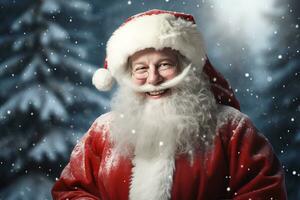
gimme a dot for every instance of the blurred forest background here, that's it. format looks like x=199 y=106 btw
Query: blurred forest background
x=49 y=50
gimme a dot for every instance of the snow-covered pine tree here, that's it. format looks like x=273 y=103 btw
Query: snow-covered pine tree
x=47 y=100
x=281 y=118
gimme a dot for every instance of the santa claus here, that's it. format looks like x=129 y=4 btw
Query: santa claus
x=175 y=130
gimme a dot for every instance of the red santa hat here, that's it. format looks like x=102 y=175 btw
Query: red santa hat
x=160 y=29
x=152 y=29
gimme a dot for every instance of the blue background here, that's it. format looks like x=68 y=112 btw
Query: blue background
x=49 y=50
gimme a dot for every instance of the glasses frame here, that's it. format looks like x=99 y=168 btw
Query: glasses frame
x=164 y=68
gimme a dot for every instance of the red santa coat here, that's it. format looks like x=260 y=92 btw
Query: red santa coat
x=241 y=165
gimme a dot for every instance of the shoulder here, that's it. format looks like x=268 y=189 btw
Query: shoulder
x=98 y=133
x=103 y=122
x=227 y=115
x=231 y=123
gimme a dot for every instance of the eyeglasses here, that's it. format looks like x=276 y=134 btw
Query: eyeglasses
x=164 y=69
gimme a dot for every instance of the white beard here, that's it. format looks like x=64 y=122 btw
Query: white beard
x=178 y=123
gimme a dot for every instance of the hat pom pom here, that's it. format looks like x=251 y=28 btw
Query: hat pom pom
x=102 y=79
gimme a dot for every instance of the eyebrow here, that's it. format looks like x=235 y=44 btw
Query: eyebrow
x=165 y=59
x=139 y=63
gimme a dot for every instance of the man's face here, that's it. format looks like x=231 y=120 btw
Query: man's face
x=154 y=67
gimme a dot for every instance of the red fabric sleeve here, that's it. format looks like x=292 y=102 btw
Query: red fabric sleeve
x=255 y=171
x=79 y=179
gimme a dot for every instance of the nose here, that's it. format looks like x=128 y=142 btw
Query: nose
x=154 y=78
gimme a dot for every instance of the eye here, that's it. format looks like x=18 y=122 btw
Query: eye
x=140 y=69
x=165 y=65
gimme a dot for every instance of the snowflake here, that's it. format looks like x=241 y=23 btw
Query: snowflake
x=292 y=119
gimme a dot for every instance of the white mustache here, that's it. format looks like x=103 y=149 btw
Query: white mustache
x=166 y=85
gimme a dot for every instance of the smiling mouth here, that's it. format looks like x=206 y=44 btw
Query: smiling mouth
x=157 y=93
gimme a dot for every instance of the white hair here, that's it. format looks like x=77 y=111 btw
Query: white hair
x=181 y=122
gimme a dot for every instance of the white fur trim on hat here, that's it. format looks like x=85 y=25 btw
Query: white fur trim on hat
x=154 y=31
x=102 y=79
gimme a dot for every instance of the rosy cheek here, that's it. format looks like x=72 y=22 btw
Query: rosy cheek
x=138 y=82
x=171 y=76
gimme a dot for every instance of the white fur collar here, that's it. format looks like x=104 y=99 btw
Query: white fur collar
x=152 y=178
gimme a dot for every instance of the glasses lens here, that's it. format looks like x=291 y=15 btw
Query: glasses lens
x=140 y=75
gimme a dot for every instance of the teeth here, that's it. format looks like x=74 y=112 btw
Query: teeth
x=157 y=92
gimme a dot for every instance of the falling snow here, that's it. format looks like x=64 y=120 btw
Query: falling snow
x=50 y=102
x=269 y=78
x=38 y=115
